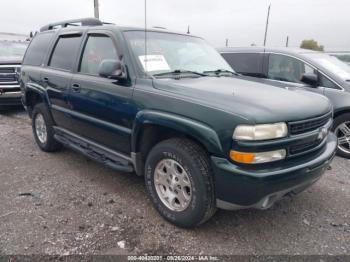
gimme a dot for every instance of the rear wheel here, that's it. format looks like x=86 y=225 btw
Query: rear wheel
x=341 y=128
x=180 y=183
x=42 y=125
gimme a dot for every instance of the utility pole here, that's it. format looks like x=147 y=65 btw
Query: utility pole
x=267 y=24
x=96 y=10
x=226 y=42
x=287 y=42
x=188 y=30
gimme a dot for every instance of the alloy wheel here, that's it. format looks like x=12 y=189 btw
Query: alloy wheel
x=173 y=185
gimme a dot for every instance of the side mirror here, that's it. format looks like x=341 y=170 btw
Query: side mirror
x=111 y=68
x=310 y=79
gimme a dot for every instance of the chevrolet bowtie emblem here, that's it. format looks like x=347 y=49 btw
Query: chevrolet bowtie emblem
x=322 y=133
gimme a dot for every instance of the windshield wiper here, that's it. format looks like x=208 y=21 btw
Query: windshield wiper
x=218 y=72
x=178 y=72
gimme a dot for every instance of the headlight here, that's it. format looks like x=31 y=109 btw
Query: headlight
x=260 y=132
x=257 y=158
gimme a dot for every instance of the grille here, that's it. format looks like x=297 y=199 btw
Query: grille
x=7 y=70
x=8 y=75
x=305 y=126
x=298 y=149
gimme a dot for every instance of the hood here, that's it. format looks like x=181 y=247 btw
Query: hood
x=257 y=102
x=10 y=60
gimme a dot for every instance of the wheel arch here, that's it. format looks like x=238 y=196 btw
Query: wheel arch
x=341 y=111
x=151 y=127
x=33 y=95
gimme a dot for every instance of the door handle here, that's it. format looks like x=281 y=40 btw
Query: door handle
x=46 y=79
x=76 y=88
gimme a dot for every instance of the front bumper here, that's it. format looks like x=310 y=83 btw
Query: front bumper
x=10 y=98
x=237 y=188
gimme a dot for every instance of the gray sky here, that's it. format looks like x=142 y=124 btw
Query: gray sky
x=241 y=21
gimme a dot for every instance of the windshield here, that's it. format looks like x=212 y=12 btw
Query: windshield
x=168 y=52
x=333 y=64
x=12 y=48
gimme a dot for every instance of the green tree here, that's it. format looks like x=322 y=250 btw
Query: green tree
x=312 y=45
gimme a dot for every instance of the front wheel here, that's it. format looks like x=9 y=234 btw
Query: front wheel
x=179 y=181
x=341 y=128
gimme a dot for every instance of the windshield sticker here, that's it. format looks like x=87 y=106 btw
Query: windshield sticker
x=154 y=63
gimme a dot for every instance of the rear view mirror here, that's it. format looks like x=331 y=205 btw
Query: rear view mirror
x=310 y=79
x=111 y=68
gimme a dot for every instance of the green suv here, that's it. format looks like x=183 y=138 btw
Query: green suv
x=172 y=110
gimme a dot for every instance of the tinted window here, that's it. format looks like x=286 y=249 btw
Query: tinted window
x=97 y=49
x=37 y=49
x=64 y=54
x=247 y=64
x=289 y=69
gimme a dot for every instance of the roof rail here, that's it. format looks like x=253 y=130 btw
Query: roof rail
x=74 y=22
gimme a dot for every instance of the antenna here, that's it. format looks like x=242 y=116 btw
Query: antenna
x=267 y=24
x=146 y=38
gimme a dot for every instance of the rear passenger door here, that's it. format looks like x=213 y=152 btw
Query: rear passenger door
x=249 y=64
x=102 y=110
x=56 y=77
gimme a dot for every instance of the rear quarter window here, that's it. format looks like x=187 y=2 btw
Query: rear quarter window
x=246 y=63
x=38 y=49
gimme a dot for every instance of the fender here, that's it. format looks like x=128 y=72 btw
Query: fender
x=202 y=132
x=35 y=88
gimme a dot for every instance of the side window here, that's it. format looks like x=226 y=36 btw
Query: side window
x=64 y=53
x=97 y=49
x=245 y=63
x=37 y=49
x=325 y=82
x=285 y=68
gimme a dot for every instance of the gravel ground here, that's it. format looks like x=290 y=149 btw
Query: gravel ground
x=63 y=203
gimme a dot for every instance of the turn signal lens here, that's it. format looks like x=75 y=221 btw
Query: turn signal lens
x=246 y=158
x=257 y=158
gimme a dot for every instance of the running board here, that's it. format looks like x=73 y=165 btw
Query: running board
x=93 y=150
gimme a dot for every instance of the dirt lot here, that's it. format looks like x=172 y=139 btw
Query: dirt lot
x=63 y=203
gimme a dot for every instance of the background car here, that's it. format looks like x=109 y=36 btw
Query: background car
x=343 y=56
x=11 y=55
x=322 y=73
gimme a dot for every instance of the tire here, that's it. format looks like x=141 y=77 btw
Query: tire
x=186 y=159
x=343 y=137
x=43 y=123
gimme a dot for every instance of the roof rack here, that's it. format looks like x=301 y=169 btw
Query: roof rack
x=74 y=22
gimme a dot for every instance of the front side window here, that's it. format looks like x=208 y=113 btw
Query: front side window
x=97 y=49
x=288 y=69
x=64 y=54
x=325 y=82
x=168 y=52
